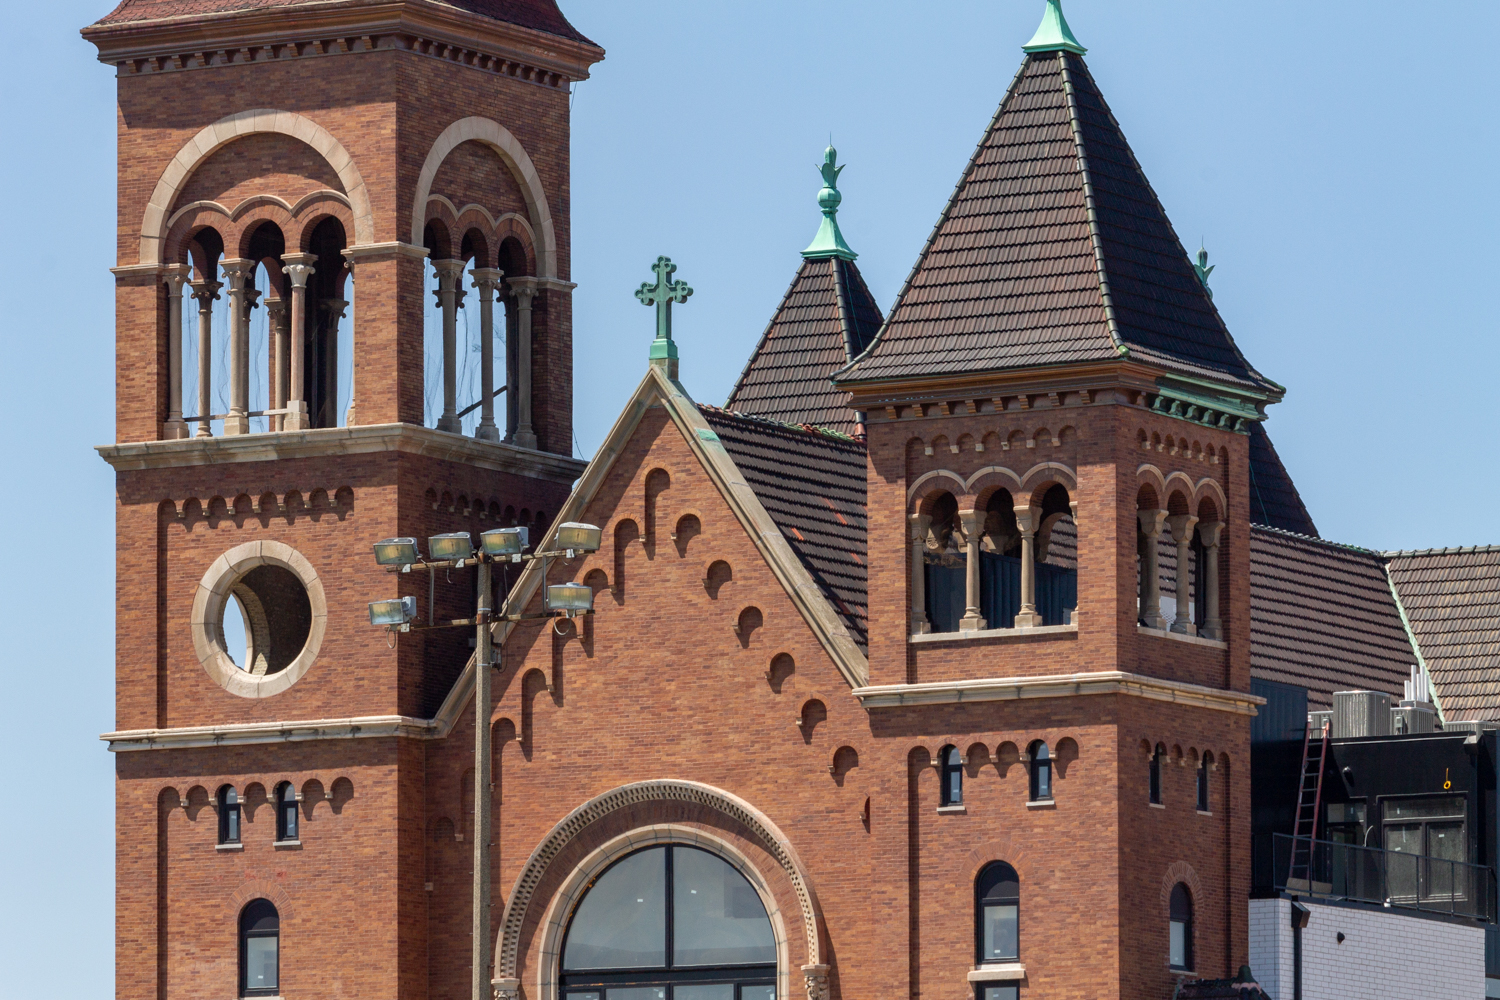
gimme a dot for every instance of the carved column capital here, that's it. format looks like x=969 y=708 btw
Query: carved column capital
x=448 y=272
x=919 y=525
x=1028 y=518
x=236 y=270
x=174 y=276
x=334 y=308
x=972 y=522
x=299 y=267
x=205 y=291
x=816 y=977
x=1181 y=526
x=486 y=280
x=524 y=289
x=276 y=309
x=506 y=989
x=1151 y=522
x=1209 y=532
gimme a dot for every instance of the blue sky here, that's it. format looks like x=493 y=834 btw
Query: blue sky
x=1337 y=158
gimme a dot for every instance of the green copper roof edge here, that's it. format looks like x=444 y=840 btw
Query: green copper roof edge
x=1053 y=34
x=1411 y=636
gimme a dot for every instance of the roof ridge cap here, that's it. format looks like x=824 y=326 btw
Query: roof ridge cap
x=1451 y=550
x=812 y=429
x=1311 y=538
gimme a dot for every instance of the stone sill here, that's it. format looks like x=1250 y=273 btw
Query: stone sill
x=288 y=845
x=1156 y=805
x=1204 y=812
x=1042 y=804
x=1006 y=972
x=1196 y=640
x=229 y=847
x=952 y=809
x=997 y=633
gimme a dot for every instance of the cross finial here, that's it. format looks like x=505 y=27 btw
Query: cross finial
x=662 y=295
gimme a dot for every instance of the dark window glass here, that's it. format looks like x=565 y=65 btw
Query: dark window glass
x=1181 y=928
x=260 y=949
x=229 y=816
x=1041 y=772
x=1156 y=774
x=997 y=924
x=1004 y=991
x=1203 y=784
x=286 y=812
x=953 y=776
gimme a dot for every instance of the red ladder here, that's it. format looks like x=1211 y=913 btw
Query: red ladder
x=1309 y=802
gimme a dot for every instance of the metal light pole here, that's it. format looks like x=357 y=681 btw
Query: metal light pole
x=484 y=795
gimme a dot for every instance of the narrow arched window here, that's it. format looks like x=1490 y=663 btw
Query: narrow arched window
x=1181 y=928
x=997 y=914
x=1156 y=757
x=1041 y=772
x=953 y=776
x=260 y=949
x=229 y=815
x=286 y=812
x=1203 y=784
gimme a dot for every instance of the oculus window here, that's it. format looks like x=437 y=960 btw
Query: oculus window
x=670 y=923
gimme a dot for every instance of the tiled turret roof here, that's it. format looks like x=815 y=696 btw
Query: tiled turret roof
x=1274 y=500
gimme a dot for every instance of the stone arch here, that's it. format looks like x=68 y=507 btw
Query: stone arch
x=515 y=157
x=1180 y=871
x=919 y=490
x=224 y=131
x=757 y=825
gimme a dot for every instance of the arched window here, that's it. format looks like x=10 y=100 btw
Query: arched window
x=229 y=815
x=952 y=765
x=1156 y=757
x=260 y=949
x=1181 y=946
x=997 y=906
x=286 y=812
x=1203 y=783
x=669 y=923
x=1041 y=772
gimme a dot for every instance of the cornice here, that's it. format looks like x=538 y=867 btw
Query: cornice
x=364 y=439
x=244 y=734
x=1111 y=682
x=337 y=27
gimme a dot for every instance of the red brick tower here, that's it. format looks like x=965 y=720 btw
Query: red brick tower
x=286 y=170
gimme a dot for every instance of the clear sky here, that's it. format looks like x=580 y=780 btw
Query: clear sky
x=1337 y=158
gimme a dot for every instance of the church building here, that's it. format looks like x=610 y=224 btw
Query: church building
x=922 y=668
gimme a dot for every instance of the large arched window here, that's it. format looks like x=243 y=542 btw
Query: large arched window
x=229 y=815
x=1041 y=772
x=260 y=949
x=670 y=923
x=1180 y=955
x=952 y=764
x=997 y=921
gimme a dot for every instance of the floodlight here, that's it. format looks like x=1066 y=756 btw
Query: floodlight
x=396 y=611
x=396 y=551
x=577 y=537
x=456 y=545
x=501 y=542
x=572 y=599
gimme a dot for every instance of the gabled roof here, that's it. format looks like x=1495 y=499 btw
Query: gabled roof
x=1053 y=249
x=812 y=483
x=1274 y=500
x=539 y=15
x=826 y=317
x=1451 y=598
x=1322 y=616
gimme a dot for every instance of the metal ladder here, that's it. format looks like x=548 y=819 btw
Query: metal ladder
x=1309 y=802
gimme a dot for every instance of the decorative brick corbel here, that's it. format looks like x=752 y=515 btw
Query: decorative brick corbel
x=816 y=977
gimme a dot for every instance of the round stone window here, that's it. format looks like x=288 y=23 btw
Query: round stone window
x=274 y=591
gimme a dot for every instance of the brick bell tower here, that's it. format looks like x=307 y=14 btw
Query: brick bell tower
x=1059 y=487
x=293 y=177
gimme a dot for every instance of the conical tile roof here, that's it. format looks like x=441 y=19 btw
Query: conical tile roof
x=827 y=317
x=1053 y=250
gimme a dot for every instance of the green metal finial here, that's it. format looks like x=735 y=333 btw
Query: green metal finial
x=1054 y=35
x=1203 y=270
x=829 y=242
x=662 y=295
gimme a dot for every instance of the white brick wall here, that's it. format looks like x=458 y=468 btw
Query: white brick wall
x=1386 y=953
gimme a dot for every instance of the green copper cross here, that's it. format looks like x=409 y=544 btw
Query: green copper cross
x=662 y=295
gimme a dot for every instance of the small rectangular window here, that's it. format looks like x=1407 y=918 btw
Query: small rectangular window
x=1178 y=954
x=1008 y=991
x=261 y=964
x=1001 y=933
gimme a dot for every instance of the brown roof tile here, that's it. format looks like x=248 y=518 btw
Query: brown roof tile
x=812 y=483
x=1452 y=602
x=811 y=336
x=1010 y=278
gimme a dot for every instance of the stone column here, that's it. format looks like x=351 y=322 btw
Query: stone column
x=1151 y=525
x=1209 y=533
x=1028 y=519
x=973 y=524
x=334 y=310
x=1181 y=526
x=919 y=525
x=176 y=276
x=276 y=312
x=298 y=267
x=206 y=292
x=449 y=274
x=487 y=281
x=525 y=291
x=239 y=273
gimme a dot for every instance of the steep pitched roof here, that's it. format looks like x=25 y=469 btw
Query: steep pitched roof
x=812 y=483
x=1452 y=602
x=826 y=317
x=1274 y=500
x=1322 y=616
x=540 y=15
x=1053 y=249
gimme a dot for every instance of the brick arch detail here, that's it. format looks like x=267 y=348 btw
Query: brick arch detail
x=261 y=889
x=214 y=137
x=752 y=820
x=1002 y=848
x=491 y=133
x=1181 y=871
